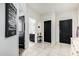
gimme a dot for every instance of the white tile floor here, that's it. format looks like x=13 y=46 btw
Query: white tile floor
x=47 y=49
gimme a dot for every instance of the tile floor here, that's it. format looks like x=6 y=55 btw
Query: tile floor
x=21 y=50
x=47 y=49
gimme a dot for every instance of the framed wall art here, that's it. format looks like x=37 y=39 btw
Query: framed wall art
x=10 y=19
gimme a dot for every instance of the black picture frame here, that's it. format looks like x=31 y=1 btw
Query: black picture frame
x=10 y=19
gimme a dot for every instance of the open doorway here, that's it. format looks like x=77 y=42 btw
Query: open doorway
x=32 y=31
x=21 y=34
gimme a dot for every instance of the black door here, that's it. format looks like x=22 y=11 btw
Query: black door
x=47 y=31
x=65 y=31
x=22 y=32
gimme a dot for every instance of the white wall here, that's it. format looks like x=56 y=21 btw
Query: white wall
x=28 y=12
x=32 y=24
x=46 y=17
x=55 y=18
x=64 y=16
x=8 y=46
x=78 y=15
x=33 y=14
x=23 y=10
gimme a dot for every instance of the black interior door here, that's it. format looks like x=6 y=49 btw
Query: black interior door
x=47 y=31
x=65 y=31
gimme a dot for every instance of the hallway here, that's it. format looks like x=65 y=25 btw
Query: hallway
x=24 y=22
x=46 y=49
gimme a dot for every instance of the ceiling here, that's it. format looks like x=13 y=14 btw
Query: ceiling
x=50 y=7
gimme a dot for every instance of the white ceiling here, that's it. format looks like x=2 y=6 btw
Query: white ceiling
x=50 y=7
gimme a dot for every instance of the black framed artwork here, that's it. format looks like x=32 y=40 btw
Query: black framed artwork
x=10 y=19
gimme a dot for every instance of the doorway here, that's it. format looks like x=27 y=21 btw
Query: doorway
x=47 y=31
x=21 y=34
x=65 y=31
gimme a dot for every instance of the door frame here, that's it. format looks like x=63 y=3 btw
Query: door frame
x=51 y=30
x=23 y=28
x=59 y=27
